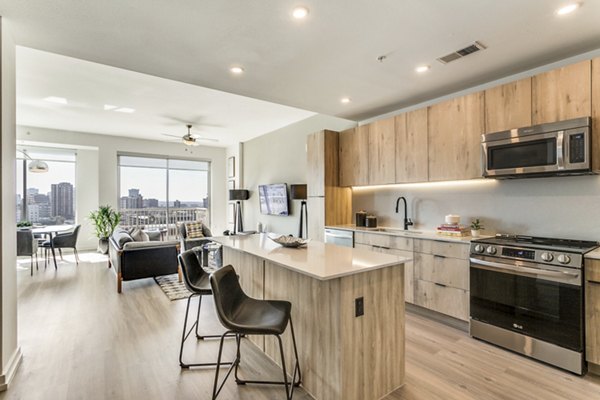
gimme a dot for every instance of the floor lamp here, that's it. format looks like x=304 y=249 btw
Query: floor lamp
x=299 y=193
x=238 y=195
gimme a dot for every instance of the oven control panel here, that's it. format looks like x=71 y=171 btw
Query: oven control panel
x=541 y=256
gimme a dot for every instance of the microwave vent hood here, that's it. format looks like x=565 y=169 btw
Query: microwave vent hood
x=552 y=149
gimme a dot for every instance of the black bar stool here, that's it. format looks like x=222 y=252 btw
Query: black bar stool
x=243 y=315
x=196 y=280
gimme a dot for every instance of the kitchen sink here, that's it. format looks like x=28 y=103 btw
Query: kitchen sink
x=396 y=231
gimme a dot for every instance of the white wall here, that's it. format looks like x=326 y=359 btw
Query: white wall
x=97 y=172
x=9 y=350
x=280 y=157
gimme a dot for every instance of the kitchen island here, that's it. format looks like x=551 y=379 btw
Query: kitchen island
x=342 y=356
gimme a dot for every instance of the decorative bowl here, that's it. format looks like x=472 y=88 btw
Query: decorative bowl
x=289 y=241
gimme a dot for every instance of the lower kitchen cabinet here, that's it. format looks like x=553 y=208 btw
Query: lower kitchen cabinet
x=443 y=299
x=442 y=277
x=399 y=246
x=592 y=311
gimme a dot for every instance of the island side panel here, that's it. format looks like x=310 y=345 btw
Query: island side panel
x=373 y=353
x=316 y=318
x=250 y=269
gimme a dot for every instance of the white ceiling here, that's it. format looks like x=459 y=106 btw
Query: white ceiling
x=161 y=105
x=311 y=64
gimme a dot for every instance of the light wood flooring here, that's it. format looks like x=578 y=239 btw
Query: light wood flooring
x=82 y=340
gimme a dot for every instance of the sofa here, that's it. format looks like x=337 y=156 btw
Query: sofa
x=139 y=259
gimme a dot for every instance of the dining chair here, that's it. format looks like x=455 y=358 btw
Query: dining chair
x=62 y=241
x=27 y=245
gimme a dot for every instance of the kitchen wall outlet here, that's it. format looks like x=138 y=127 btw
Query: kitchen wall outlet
x=359 y=306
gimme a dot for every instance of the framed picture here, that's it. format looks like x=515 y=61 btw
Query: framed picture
x=231 y=213
x=231 y=184
x=231 y=167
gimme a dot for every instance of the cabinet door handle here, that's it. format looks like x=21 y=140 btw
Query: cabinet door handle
x=381 y=247
x=438 y=256
x=594 y=282
x=440 y=284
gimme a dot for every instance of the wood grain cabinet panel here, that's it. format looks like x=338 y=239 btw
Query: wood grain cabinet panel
x=382 y=152
x=596 y=114
x=354 y=156
x=322 y=162
x=442 y=248
x=447 y=271
x=592 y=310
x=382 y=240
x=508 y=106
x=443 y=299
x=454 y=138
x=411 y=147
x=562 y=93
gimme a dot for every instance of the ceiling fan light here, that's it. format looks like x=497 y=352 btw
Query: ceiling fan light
x=38 y=166
x=190 y=141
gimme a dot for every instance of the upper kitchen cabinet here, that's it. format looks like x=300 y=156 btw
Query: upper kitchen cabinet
x=454 y=138
x=354 y=156
x=508 y=106
x=411 y=147
x=596 y=114
x=322 y=162
x=562 y=93
x=382 y=154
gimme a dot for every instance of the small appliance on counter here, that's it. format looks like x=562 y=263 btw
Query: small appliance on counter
x=371 y=221
x=361 y=218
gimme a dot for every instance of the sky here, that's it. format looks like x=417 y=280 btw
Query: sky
x=152 y=182
x=57 y=172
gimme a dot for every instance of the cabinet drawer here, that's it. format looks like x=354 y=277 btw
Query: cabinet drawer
x=386 y=241
x=441 y=248
x=452 y=272
x=443 y=299
x=592 y=270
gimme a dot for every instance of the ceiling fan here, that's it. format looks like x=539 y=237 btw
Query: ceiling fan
x=190 y=139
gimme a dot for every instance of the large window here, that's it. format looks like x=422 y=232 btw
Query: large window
x=161 y=192
x=46 y=198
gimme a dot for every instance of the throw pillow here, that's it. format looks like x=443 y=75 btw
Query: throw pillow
x=193 y=230
x=139 y=235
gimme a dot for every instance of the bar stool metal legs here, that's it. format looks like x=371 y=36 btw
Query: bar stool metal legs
x=186 y=333
x=289 y=385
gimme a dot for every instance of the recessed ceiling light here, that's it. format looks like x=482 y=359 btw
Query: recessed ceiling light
x=345 y=100
x=57 y=100
x=422 y=68
x=568 y=9
x=125 y=110
x=109 y=107
x=236 y=70
x=300 y=12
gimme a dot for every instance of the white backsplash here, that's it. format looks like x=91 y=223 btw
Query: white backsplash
x=564 y=207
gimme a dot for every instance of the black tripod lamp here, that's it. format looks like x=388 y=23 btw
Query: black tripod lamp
x=299 y=193
x=238 y=195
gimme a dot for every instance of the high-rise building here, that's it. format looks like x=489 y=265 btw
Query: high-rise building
x=150 y=203
x=61 y=200
x=134 y=200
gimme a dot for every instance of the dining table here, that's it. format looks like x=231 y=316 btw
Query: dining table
x=49 y=231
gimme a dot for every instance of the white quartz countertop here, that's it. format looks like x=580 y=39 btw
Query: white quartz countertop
x=415 y=234
x=595 y=254
x=319 y=260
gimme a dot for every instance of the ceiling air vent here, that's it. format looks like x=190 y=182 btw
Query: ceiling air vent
x=474 y=48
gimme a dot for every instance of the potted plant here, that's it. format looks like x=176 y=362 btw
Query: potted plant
x=476 y=228
x=24 y=224
x=105 y=220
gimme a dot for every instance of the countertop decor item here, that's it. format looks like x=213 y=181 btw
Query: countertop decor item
x=452 y=219
x=361 y=218
x=476 y=228
x=371 y=221
x=238 y=195
x=289 y=241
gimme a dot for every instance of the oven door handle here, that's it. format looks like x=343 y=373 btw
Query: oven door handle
x=529 y=270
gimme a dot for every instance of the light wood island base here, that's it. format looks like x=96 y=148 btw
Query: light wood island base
x=341 y=356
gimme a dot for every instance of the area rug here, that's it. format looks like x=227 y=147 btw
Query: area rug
x=171 y=287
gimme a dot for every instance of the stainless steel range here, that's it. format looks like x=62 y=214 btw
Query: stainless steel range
x=527 y=296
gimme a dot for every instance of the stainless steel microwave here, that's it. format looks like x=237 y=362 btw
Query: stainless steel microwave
x=559 y=148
